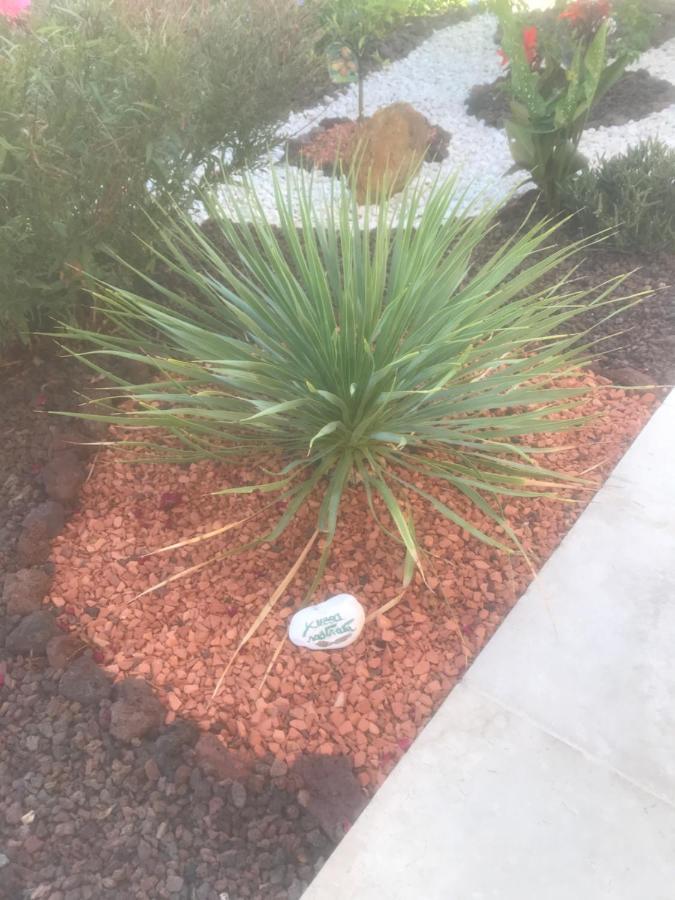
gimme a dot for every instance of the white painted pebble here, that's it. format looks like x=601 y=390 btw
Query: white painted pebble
x=331 y=625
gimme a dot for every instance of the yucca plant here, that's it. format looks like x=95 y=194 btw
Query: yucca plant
x=370 y=352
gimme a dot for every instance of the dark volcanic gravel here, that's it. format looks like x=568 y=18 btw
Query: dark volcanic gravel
x=84 y=817
x=642 y=337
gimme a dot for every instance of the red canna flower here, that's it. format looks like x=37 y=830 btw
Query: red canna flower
x=586 y=12
x=530 y=37
x=573 y=12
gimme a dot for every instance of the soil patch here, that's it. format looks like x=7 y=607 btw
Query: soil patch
x=634 y=97
x=641 y=337
x=30 y=388
x=84 y=817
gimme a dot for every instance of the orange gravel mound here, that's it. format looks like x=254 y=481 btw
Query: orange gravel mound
x=367 y=701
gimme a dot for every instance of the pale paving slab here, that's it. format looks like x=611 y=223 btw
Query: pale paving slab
x=550 y=771
x=589 y=650
x=488 y=806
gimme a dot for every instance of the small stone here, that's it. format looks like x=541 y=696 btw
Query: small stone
x=40 y=526
x=238 y=794
x=13 y=814
x=83 y=682
x=151 y=769
x=174 y=884
x=278 y=768
x=23 y=591
x=199 y=785
x=182 y=774
x=63 y=476
x=4 y=861
x=32 y=633
x=136 y=711
x=296 y=889
x=216 y=760
x=333 y=624
x=63 y=649
x=169 y=747
x=32 y=844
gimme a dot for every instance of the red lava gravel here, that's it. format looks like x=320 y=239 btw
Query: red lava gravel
x=367 y=701
x=331 y=145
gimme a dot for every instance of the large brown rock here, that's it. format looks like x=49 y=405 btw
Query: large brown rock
x=332 y=793
x=32 y=633
x=627 y=376
x=136 y=711
x=168 y=751
x=23 y=591
x=63 y=476
x=389 y=150
x=83 y=682
x=41 y=524
x=77 y=438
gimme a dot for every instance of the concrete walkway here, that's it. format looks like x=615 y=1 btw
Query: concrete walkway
x=549 y=772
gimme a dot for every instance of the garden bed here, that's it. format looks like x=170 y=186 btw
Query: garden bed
x=366 y=702
x=291 y=747
x=437 y=78
x=636 y=96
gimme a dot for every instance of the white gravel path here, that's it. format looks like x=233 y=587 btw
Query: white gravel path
x=436 y=79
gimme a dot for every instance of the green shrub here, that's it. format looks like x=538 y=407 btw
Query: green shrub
x=557 y=71
x=356 y=27
x=375 y=354
x=106 y=105
x=353 y=29
x=635 y=25
x=434 y=7
x=631 y=31
x=633 y=194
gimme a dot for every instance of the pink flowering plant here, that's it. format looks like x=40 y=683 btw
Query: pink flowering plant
x=14 y=9
x=555 y=74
